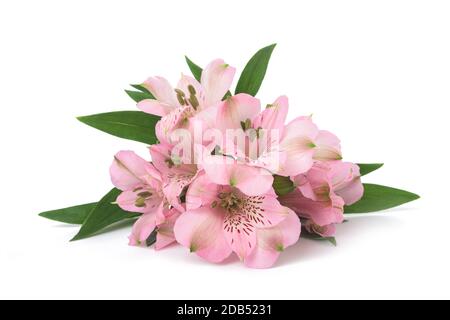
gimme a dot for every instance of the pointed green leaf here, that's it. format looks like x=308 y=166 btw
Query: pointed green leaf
x=71 y=215
x=195 y=69
x=282 y=185
x=255 y=71
x=366 y=168
x=138 y=96
x=104 y=214
x=141 y=88
x=377 y=198
x=131 y=125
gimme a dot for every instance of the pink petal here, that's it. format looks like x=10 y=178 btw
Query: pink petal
x=201 y=192
x=128 y=170
x=155 y=107
x=235 y=110
x=346 y=181
x=201 y=230
x=127 y=200
x=240 y=234
x=272 y=241
x=250 y=180
x=298 y=143
x=162 y=91
x=321 y=212
x=216 y=80
x=274 y=116
x=328 y=147
x=165 y=235
x=142 y=229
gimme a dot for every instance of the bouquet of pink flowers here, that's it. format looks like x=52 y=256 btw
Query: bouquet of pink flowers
x=226 y=176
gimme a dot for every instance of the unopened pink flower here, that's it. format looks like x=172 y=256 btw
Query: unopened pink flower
x=323 y=191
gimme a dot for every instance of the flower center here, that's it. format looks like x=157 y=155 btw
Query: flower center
x=229 y=201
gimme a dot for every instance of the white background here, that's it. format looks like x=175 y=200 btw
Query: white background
x=377 y=73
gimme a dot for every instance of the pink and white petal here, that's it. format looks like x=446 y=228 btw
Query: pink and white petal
x=155 y=107
x=127 y=200
x=142 y=229
x=128 y=170
x=216 y=80
x=346 y=181
x=165 y=235
x=272 y=241
x=352 y=192
x=305 y=187
x=235 y=110
x=250 y=180
x=298 y=160
x=161 y=159
x=201 y=192
x=174 y=188
x=274 y=116
x=174 y=120
x=328 y=147
x=298 y=143
x=201 y=230
x=266 y=211
x=240 y=234
x=162 y=91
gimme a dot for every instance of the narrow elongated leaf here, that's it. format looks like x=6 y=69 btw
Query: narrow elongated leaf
x=317 y=237
x=195 y=69
x=138 y=96
x=366 y=168
x=142 y=89
x=377 y=198
x=104 y=214
x=71 y=215
x=282 y=185
x=131 y=125
x=255 y=71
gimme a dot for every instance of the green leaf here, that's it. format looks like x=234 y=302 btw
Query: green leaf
x=131 y=125
x=317 y=237
x=141 y=88
x=138 y=96
x=366 y=168
x=104 y=214
x=254 y=72
x=377 y=198
x=195 y=69
x=71 y=215
x=282 y=185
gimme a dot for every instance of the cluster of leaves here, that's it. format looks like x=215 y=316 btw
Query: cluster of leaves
x=139 y=126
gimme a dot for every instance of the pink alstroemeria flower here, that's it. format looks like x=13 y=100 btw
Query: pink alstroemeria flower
x=191 y=99
x=142 y=192
x=322 y=193
x=176 y=175
x=222 y=218
x=286 y=150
